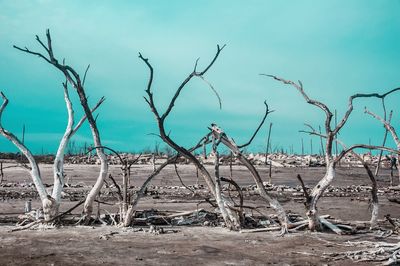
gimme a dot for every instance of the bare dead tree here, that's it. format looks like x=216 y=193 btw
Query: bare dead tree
x=74 y=79
x=160 y=118
x=330 y=135
x=372 y=177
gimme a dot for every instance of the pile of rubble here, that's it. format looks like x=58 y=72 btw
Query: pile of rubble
x=273 y=159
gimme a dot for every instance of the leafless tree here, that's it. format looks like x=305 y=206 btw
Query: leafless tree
x=74 y=79
x=330 y=135
x=231 y=219
x=50 y=203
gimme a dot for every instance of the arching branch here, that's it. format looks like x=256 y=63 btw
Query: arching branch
x=299 y=87
x=267 y=111
x=360 y=95
x=363 y=146
x=387 y=126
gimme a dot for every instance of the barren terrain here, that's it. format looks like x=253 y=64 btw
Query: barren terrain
x=347 y=199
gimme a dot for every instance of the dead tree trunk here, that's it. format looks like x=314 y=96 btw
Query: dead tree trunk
x=161 y=118
x=58 y=165
x=74 y=79
x=229 y=143
x=330 y=135
x=230 y=217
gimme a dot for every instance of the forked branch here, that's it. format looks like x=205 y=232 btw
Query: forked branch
x=150 y=100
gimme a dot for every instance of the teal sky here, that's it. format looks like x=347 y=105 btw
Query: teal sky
x=336 y=48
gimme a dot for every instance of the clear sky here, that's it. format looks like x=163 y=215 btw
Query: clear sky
x=336 y=48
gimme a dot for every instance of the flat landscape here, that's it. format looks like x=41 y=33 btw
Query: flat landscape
x=205 y=244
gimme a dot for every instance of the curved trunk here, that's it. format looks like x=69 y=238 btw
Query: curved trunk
x=58 y=166
x=316 y=193
x=88 y=205
x=203 y=171
x=274 y=203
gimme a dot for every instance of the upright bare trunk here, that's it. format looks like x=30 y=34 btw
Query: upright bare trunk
x=231 y=218
x=312 y=212
x=58 y=166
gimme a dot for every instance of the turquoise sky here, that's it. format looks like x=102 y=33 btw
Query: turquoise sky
x=336 y=48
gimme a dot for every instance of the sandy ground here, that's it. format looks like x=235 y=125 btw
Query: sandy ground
x=184 y=245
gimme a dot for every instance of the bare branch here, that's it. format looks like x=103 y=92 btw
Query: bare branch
x=117 y=186
x=150 y=99
x=26 y=50
x=320 y=105
x=360 y=95
x=82 y=120
x=84 y=76
x=183 y=84
x=387 y=125
x=363 y=146
x=313 y=133
x=305 y=190
x=219 y=49
x=180 y=179
x=110 y=149
x=213 y=89
x=267 y=111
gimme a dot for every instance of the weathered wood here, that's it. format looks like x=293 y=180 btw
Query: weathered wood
x=331 y=226
x=74 y=79
x=160 y=118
